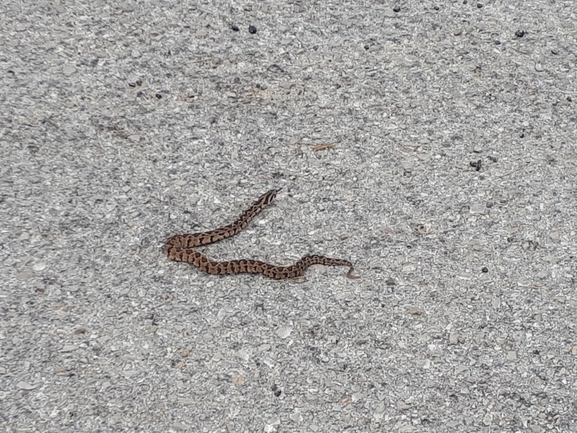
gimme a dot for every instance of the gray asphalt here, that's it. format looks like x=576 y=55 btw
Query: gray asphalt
x=432 y=144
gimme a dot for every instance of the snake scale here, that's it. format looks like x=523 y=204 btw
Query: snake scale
x=180 y=249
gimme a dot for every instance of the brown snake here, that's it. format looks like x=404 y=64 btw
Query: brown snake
x=180 y=249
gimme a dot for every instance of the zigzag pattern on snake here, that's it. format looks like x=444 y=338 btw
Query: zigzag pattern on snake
x=180 y=249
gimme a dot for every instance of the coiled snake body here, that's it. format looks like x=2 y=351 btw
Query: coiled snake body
x=180 y=249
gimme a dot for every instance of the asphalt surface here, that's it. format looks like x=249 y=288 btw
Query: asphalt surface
x=432 y=144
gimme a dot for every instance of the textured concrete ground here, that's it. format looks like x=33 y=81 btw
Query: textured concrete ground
x=432 y=144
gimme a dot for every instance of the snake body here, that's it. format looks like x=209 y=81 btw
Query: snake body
x=181 y=249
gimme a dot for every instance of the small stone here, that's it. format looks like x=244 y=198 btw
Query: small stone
x=69 y=348
x=235 y=28
x=512 y=355
x=415 y=311
x=478 y=209
x=252 y=30
x=284 y=332
x=68 y=69
x=408 y=165
x=243 y=354
x=424 y=364
x=296 y=417
x=460 y=368
x=401 y=405
x=25 y=386
x=520 y=33
x=39 y=266
x=356 y=396
x=408 y=268
x=524 y=283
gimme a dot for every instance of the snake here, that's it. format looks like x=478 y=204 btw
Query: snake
x=181 y=248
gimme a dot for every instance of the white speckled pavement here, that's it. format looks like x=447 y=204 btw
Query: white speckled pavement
x=432 y=144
